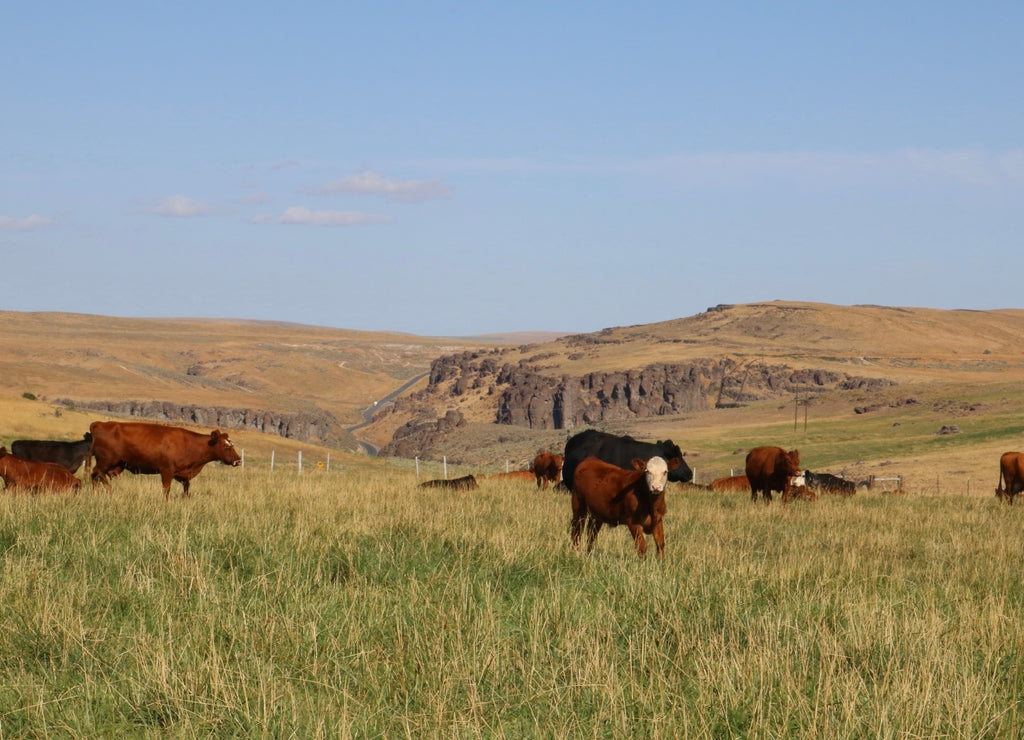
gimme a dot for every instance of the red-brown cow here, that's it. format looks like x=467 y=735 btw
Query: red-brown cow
x=1011 y=474
x=770 y=469
x=547 y=466
x=513 y=475
x=33 y=475
x=730 y=484
x=606 y=494
x=173 y=453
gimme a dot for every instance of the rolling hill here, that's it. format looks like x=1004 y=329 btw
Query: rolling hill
x=866 y=387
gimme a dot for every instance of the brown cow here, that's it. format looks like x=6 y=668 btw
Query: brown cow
x=606 y=494
x=770 y=469
x=1011 y=474
x=33 y=475
x=173 y=453
x=547 y=466
x=730 y=484
x=514 y=475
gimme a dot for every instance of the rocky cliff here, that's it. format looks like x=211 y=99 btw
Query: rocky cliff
x=314 y=426
x=521 y=394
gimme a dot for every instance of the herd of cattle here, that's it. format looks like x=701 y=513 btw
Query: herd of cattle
x=611 y=479
x=173 y=453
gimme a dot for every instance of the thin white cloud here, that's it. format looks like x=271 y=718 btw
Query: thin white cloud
x=302 y=216
x=28 y=223
x=255 y=198
x=371 y=183
x=179 y=206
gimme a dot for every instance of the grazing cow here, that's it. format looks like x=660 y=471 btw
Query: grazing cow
x=69 y=455
x=619 y=451
x=771 y=469
x=547 y=466
x=606 y=494
x=33 y=475
x=465 y=483
x=173 y=453
x=1011 y=475
x=828 y=483
x=730 y=484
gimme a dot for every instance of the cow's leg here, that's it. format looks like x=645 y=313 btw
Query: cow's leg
x=639 y=539
x=579 y=516
x=593 y=527
x=576 y=529
x=659 y=538
x=166 y=478
x=184 y=486
x=99 y=475
x=753 y=494
x=785 y=495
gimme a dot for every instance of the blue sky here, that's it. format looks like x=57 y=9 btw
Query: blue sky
x=450 y=168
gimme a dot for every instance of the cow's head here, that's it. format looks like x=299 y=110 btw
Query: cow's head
x=670 y=451
x=793 y=463
x=655 y=474
x=222 y=448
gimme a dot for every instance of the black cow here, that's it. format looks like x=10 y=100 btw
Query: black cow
x=828 y=483
x=620 y=451
x=69 y=455
x=465 y=483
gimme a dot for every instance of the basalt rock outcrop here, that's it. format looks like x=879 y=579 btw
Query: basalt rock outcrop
x=523 y=395
x=313 y=426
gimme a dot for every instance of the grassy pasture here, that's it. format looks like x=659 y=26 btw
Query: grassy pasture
x=354 y=604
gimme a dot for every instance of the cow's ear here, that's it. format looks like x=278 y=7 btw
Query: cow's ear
x=639 y=464
x=214 y=436
x=674 y=463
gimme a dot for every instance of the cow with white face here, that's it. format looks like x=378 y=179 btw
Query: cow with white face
x=606 y=494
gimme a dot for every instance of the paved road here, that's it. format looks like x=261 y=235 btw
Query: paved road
x=370 y=411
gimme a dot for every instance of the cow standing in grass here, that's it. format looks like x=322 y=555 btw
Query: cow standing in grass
x=1011 y=475
x=606 y=494
x=173 y=453
x=772 y=469
x=547 y=467
x=69 y=455
x=621 y=451
x=32 y=475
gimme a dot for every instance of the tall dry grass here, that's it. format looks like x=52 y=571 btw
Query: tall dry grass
x=354 y=604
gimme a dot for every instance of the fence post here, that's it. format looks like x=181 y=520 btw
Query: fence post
x=272 y=459
x=445 y=458
x=417 y=466
x=243 y=458
x=328 y=462
x=300 y=462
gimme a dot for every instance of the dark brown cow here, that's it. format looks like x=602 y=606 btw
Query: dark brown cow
x=465 y=483
x=69 y=455
x=1011 y=475
x=173 y=453
x=730 y=484
x=770 y=469
x=547 y=466
x=606 y=494
x=33 y=475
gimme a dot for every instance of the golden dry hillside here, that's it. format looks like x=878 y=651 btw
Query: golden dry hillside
x=953 y=369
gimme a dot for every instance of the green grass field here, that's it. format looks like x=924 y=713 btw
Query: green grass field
x=354 y=604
